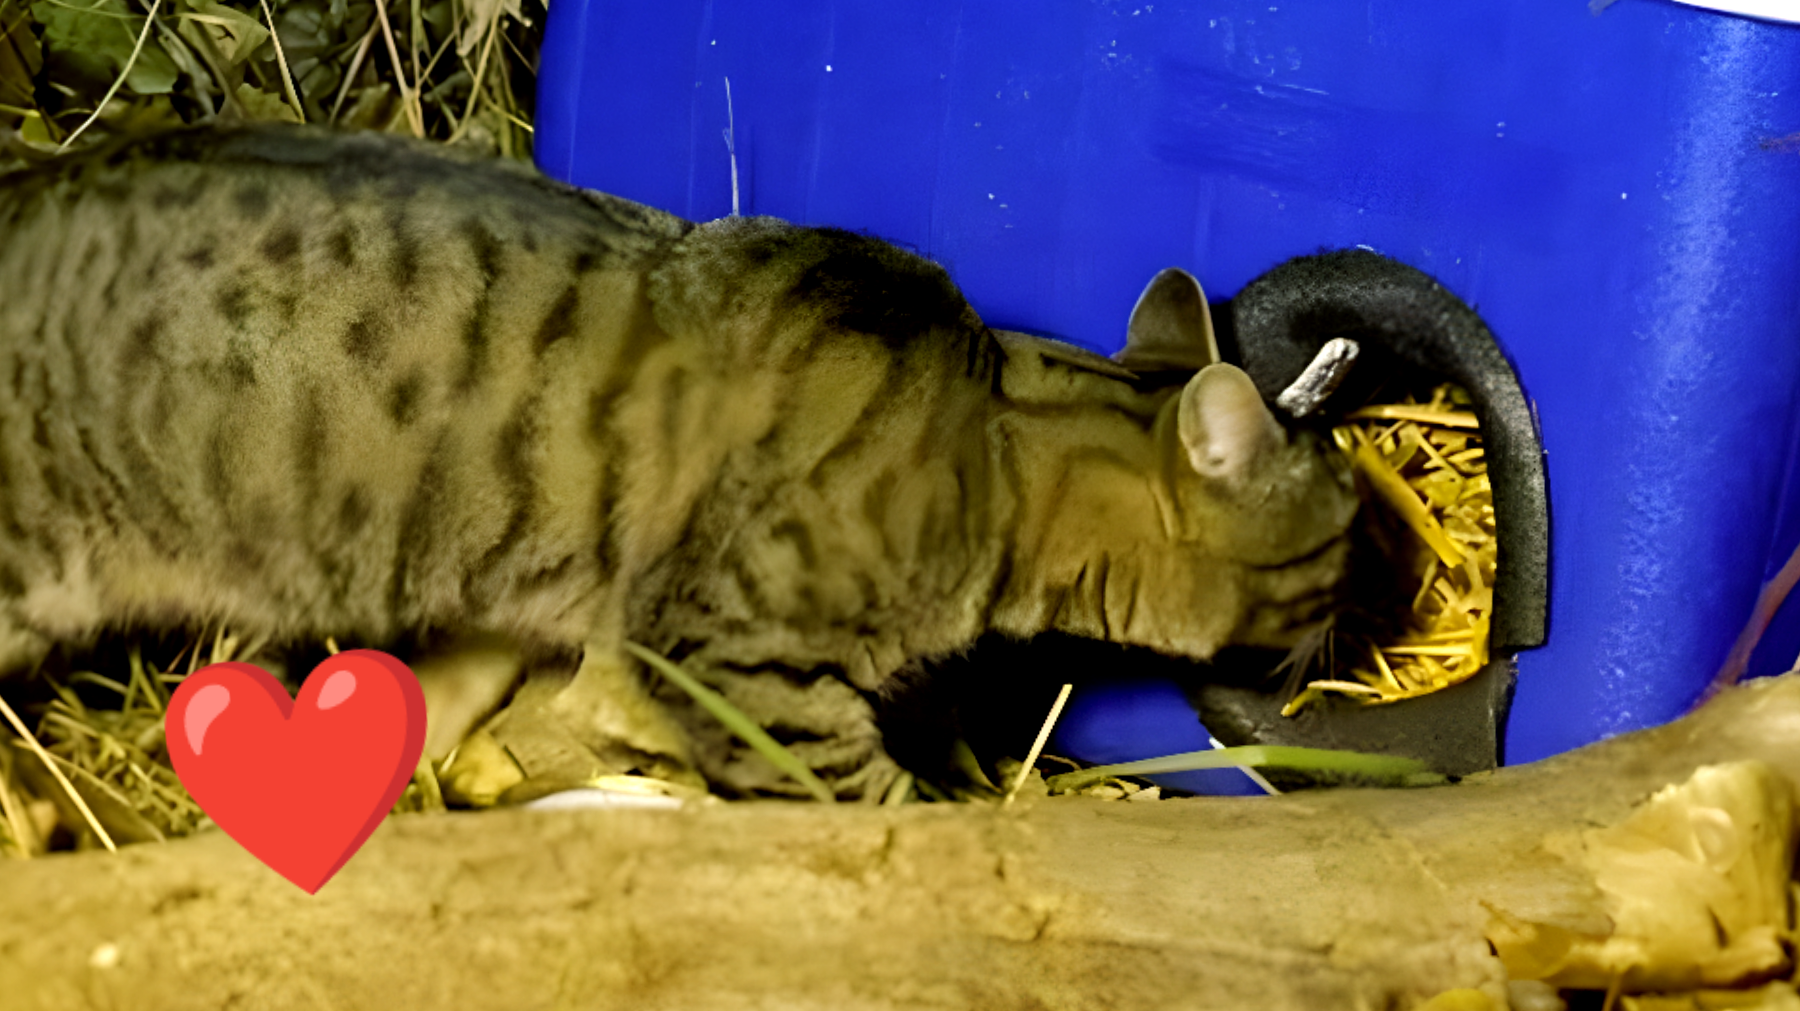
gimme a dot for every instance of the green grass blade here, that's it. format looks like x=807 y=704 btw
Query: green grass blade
x=736 y=722
x=1387 y=769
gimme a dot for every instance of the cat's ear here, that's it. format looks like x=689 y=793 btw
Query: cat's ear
x=1224 y=425
x=1171 y=327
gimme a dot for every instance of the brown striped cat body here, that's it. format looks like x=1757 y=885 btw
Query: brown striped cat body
x=311 y=384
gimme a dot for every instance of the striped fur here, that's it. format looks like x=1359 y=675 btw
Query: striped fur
x=312 y=384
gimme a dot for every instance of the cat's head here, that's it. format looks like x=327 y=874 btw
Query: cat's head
x=1278 y=500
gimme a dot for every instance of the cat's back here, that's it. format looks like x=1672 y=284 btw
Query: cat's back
x=262 y=181
x=295 y=358
x=329 y=381
x=236 y=248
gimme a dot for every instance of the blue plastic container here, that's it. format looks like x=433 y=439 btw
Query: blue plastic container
x=1618 y=194
x=1128 y=720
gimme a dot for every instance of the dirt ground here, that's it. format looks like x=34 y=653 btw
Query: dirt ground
x=1346 y=899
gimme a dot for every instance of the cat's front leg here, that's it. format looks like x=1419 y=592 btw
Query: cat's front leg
x=810 y=711
x=815 y=714
x=614 y=715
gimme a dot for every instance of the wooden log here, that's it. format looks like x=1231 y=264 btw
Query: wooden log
x=1346 y=899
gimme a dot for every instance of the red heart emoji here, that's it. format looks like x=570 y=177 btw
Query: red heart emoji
x=300 y=783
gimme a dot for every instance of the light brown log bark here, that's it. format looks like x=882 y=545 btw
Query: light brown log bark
x=1349 y=899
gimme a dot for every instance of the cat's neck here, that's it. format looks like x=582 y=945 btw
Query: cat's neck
x=1093 y=514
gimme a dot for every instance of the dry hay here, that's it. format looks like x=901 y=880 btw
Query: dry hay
x=459 y=71
x=1424 y=462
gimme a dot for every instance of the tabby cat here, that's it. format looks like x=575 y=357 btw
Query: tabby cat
x=312 y=384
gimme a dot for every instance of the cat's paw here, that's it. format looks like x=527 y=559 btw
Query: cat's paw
x=463 y=683
x=564 y=732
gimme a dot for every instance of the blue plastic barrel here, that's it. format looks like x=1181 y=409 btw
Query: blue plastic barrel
x=1615 y=188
